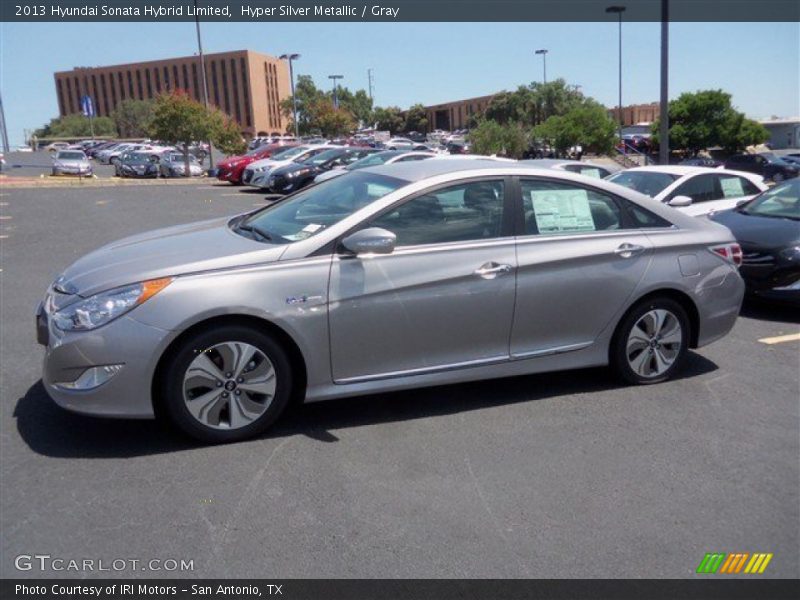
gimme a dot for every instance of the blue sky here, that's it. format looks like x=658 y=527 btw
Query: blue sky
x=759 y=63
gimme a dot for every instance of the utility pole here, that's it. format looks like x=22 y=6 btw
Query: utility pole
x=543 y=52
x=663 y=130
x=290 y=58
x=369 y=82
x=335 y=99
x=618 y=10
x=3 y=125
x=205 y=88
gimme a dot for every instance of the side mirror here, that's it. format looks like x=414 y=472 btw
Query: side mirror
x=680 y=201
x=373 y=240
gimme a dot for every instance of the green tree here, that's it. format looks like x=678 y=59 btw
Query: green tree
x=180 y=120
x=358 y=103
x=76 y=126
x=416 y=119
x=587 y=125
x=332 y=122
x=535 y=103
x=132 y=117
x=491 y=137
x=308 y=96
x=389 y=119
x=707 y=119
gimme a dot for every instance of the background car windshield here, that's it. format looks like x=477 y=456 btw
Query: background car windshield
x=648 y=183
x=290 y=152
x=136 y=157
x=313 y=210
x=71 y=156
x=374 y=159
x=782 y=201
x=324 y=157
x=179 y=158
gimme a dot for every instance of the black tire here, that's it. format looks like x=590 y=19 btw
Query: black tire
x=618 y=351
x=171 y=385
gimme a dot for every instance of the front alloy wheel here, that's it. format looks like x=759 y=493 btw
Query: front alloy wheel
x=226 y=383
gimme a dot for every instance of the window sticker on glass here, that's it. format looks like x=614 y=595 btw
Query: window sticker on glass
x=591 y=172
x=562 y=210
x=732 y=187
x=312 y=227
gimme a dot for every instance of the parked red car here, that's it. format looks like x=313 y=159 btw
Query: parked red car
x=231 y=168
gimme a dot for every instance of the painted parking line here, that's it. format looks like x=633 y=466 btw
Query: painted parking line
x=5 y=217
x=780 y=339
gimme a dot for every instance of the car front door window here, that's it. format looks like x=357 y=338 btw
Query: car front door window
x=465 y=212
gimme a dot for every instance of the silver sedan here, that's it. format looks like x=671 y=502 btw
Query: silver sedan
x=386 y=278
x=71 y=162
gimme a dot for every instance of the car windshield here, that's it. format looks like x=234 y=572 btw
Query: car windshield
x=373 y=160
x=71 y=156
x=136 y=157
x=312 y=210
x=646 y=182
x=782 y=201
x=324 y=157
x=289 y=152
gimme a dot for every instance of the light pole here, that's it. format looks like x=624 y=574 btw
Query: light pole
x=618 y=10
x=205 y=88
x=290 y=58
x=663 y=133
x=543 y=52
x=335 y=99
x=369 y=82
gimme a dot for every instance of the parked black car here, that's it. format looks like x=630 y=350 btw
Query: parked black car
x=136 y=164
x=298 y=175
x=768 y=230
x=766 y=164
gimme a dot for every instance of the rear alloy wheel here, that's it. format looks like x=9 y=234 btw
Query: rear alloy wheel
x=227 y=384
x=651 y=342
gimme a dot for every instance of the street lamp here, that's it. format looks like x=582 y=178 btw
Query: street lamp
x=290 y=58
x=618 y=10
x=205 y=88
x=335 y=99
x=543 y=52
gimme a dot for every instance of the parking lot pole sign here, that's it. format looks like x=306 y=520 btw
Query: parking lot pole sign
x=87 y=108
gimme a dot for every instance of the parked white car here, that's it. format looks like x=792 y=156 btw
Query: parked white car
x=387 y=157
x=256 y=174
x=695 y=191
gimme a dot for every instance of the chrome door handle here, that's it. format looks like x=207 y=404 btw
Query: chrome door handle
x=491 y=270
x=628 y=250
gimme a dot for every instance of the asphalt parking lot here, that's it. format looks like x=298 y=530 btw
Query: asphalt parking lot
x=560 y=475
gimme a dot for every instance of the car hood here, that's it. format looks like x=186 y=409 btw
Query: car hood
x=753 y=230
x=171 y=251
x=71 y=162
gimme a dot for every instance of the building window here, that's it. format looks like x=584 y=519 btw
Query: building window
x=197 y=91
x=235 y=84
x=60 y=93
x=176 y=84
x=225 y=86
x=103 y=93
x=247 y=117
x=157 y=74
x=166 y=79
x=149 y=83
x=214 y=82
x=139 y=86
x=185 y=77
x=113 y=90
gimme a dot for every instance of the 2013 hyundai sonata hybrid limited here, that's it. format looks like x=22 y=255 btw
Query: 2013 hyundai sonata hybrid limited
x=386 y=278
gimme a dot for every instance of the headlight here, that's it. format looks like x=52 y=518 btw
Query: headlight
x=104 y=307
x=792 y=253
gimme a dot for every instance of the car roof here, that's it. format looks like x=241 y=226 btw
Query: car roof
x=423 y=169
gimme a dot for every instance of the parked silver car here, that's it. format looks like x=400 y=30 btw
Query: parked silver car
x=386 y=278
x=71 y=162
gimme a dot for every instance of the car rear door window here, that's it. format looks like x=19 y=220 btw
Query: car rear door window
x=459 y=213
x=558 y=208
x=733 y=186
x=700 y=188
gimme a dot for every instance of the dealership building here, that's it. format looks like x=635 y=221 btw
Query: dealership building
x=244 y=84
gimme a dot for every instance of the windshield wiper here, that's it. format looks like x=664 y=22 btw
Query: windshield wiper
x=262 y=234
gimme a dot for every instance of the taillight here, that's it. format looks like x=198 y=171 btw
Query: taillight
x=731 y=252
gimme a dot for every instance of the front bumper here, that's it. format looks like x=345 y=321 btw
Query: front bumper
x=124 y=342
